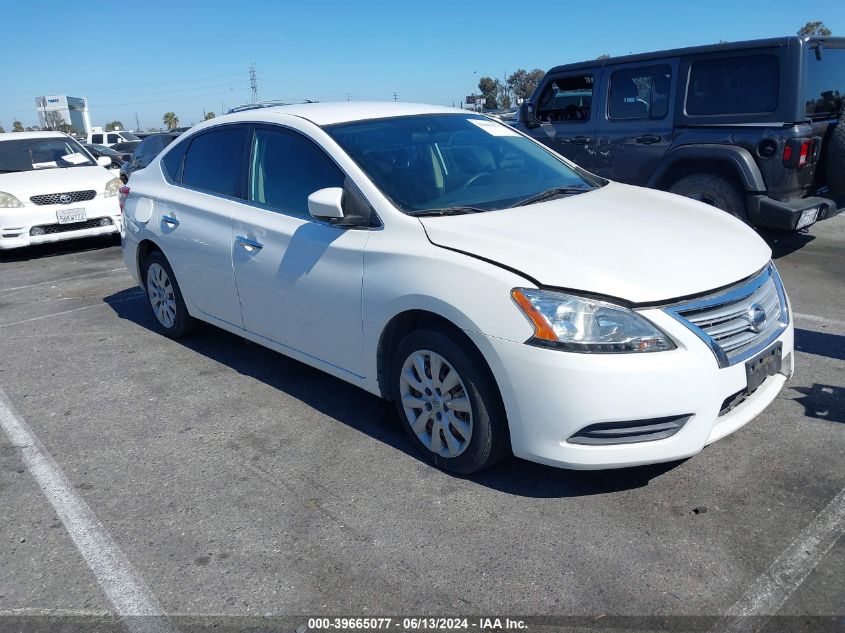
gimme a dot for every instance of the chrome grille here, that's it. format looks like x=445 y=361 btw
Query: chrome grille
x=59 y=198
x=738 y=322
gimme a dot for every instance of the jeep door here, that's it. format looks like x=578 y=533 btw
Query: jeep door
x=567 y=116
x=635 y=125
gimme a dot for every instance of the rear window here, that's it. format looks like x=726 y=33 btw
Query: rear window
x=214 y=161
x=734 y=85
x=824 y=82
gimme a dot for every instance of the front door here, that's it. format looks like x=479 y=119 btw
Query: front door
x=567 y=116
x=635 y=129
x=299 y=279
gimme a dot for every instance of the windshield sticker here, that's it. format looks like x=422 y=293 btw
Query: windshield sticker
x=493 y=128
x=46 y=165
x=75 y=159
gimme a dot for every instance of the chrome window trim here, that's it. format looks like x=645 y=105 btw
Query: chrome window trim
x=731 y=295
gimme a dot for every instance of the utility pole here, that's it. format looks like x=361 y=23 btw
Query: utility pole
x=349 y=96
x=253 y=83
x=137 y=123
x=395 y=96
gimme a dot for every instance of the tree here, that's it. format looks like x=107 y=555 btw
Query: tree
x=522 y=83
x=603 y=56
x=814 y=28
x=489 y=90
x=53 y=120
x=503 y=94
x=209 y=115
x=17 y=126
x=2 y=130
x=170 y=120
x=111 y=126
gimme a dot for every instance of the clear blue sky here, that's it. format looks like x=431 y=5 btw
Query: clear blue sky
x=151 y=56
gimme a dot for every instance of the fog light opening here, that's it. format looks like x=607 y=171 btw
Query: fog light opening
x=36 y=230
x=105 y=221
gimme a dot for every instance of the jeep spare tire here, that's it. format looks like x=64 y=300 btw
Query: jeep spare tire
x=713 y=190
x=835 y=160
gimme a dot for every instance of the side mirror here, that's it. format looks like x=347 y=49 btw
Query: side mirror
x=104 y=161
x=326 y=203
x=528 y=116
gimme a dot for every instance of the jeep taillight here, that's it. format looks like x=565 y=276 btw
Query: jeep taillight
x=797 y=152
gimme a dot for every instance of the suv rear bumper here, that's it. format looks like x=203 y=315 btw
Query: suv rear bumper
x=777 y=214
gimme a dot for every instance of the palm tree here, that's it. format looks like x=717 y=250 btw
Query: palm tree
x=17 y=126
x=209 y=115
x=170 y=120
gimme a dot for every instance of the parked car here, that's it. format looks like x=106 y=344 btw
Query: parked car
x=126 y=148
x=116 y=159
x=51 y=189
x=144 y=153
x=109 y=139
x=502 y=297
x=748 y=127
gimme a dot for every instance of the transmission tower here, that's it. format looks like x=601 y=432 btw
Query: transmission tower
x=253 y=83
x=137 y=123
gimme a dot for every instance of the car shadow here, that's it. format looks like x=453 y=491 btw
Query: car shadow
x=820 y=343
x=55 y=249
x=823 y=402
x=373 y=416
x=783 y=243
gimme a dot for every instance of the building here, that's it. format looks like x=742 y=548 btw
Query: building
x=56 y=110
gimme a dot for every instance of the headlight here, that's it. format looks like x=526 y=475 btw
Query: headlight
x=578 y=324
x=113 y=187
x=8 y=201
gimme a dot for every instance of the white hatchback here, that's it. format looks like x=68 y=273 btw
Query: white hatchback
x=51 y=189
x=503 y=298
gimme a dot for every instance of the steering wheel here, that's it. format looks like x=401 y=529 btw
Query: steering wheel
x=474 y=179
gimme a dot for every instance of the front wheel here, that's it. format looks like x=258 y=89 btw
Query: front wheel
x=448 y=404
x=713 y=190
x=165 y=297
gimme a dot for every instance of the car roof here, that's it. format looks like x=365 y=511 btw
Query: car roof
x=11 y=136
x=328 y=113
x=697 y=50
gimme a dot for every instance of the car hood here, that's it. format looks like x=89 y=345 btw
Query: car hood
x=636 y=244
x=24 y=184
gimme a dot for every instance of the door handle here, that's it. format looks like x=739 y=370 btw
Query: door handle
x=648 y=139
x=170 y=220
x=248 y=244
x=580 y=140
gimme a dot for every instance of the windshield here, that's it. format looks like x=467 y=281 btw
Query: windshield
x=128 y=136
x=42 y=153
x=454 y=161
x=102 y=150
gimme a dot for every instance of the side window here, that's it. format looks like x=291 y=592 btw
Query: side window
x=141 y=154
x=114 y=138
x=213 y=161
x=286 y=169
x=171 y=164
x=97 y=138
x=640 y=93
x=734 y=85
x=567 y=99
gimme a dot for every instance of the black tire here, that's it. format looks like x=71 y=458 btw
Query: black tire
x=488 y=440
x=713 y=190
x=183 y=323
x=835 y=160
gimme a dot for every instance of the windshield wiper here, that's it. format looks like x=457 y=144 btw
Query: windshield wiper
x=549 y=194
x=446 y=211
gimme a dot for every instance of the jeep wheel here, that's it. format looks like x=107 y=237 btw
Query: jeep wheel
x=713 y=190
x=835 y=160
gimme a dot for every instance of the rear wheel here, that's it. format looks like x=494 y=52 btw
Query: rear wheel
x=713 y=190
x=165 y=297
x=447 y=402
x=835 y=160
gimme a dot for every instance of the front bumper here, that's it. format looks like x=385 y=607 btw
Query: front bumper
x=549 y=395
x=16 y=224
x=776 y=214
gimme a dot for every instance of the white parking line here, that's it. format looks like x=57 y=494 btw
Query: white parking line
x=121 y=583
x=7 y=291
x=788 y=571
x=812 y=318
x=54 y=314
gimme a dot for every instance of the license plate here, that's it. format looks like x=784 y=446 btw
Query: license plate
x=762 y=366
x=808 y=217
x=70 y=216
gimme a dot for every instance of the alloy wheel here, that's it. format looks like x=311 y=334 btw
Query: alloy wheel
x=162 y=297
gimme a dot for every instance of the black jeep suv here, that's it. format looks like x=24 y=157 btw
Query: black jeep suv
x=754 y=128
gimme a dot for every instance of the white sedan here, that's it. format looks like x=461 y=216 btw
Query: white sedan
x=502 y=297
x=51 y=189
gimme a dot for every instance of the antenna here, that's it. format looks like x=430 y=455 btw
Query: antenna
x=253 y=83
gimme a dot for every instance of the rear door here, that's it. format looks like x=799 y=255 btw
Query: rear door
x=568 y=122
x=635 y=125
